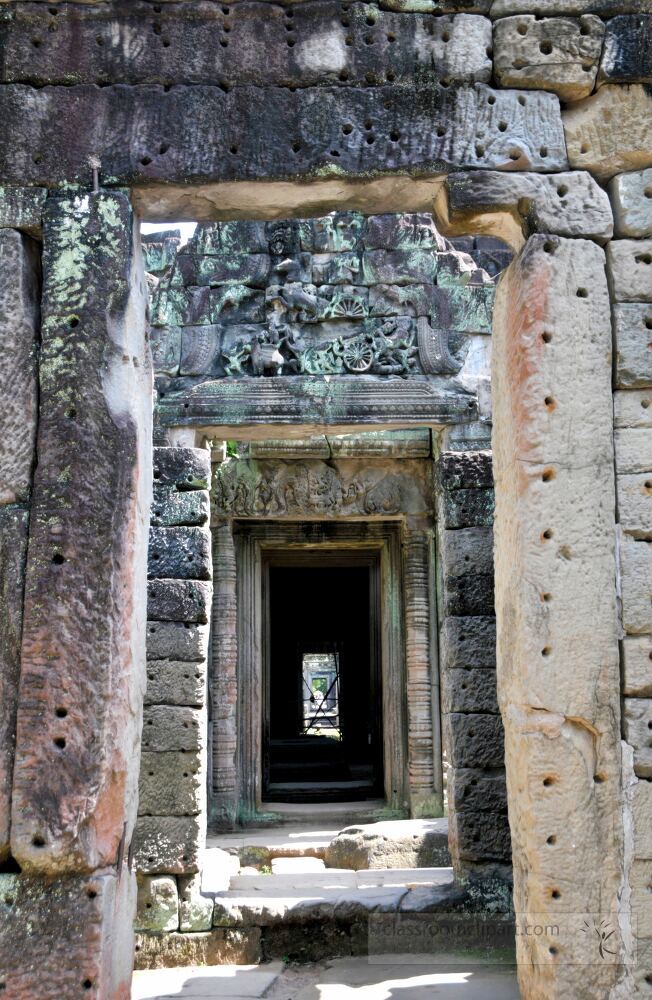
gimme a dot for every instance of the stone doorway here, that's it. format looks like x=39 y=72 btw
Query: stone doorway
x=322 y=711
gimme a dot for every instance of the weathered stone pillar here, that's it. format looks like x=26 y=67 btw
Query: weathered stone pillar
x=19 y=309
x=419 y=623
x=75 y=785
x=225 y=681
x=558 y=674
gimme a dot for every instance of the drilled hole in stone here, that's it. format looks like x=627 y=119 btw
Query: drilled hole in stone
x=584 y=29
x=584 y=148
x=546 y=651
x=545 y=47
x=518 y=63
x=645 y=403
x=37 y=158
x=551 y=839
x=441 y=131
x=163 y=148
x=58 y=559
x=598 y=779
x=562 y=190
x=224 y=43
x=395 y=136
x=92 y=894
x=99 y=40
x=145 y=160
x=521 y=100
x=369 y=39
x=647 y=192
x=296 y=146
x=547 y=782
x=547 y=475
x=491 y=99
x=348 y=40
x=36 y=42
x=70 y=413
x=233 y=149
x=547 y=534
x=546 y=597
x=643 y=258
x=371 y=21
x=345 y=22
x=555 y=894
x=391 y=77
x=502 y=126
x=479 y=150
x=370 y=140
x=73 y=322
x=344 y=76
x=38 y=841
x=582 y=293
x=391 y=38
x=648 y=323
x=522 y=29
x=334 y=152
x=550 y=403
x=546 y=336
x=514 y=154
x=543 y=151
x=548 y=247
x=59 y=743
x=61 y=713
x=552 y=949
x=445 y=36
x=347 y=129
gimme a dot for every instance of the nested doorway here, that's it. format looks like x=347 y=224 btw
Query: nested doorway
x=282 y=645
x=322 y=706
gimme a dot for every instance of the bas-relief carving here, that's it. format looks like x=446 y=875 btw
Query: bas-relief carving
x=244 y=488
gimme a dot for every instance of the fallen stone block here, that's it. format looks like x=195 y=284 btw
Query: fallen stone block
x=393 y=844
x=157 y=909
x=548 y=53
x=631 y=200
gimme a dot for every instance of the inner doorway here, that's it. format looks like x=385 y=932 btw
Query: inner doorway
x=322 y=712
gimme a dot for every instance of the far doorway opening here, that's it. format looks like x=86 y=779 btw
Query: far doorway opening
x=322 y=717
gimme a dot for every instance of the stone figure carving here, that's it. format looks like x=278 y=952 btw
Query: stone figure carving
x=434 y=355
x=303 y=488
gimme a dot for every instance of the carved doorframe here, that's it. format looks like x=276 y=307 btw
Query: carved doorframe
x=251 y=540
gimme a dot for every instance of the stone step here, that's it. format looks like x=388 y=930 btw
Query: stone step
x=293 y=866
x=309 y=882
x=325 y=815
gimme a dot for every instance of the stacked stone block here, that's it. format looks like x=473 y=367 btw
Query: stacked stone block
x=171 y=826
x=472 y=727
x=629 y=265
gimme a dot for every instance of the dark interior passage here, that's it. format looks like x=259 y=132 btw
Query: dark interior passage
x=322 y=725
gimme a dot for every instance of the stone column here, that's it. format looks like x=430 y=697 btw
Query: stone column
x=224 y=680
x=19 y=315
x=424 y=798
x=557 y=646
x=75 y=786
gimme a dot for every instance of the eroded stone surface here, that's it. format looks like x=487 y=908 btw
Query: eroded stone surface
x=636 y=583
x=170 y=727
x=570 y=203
x=326 y=47
x=632 y=337
x=178 y=600
x=181 y=641
x=629 y=263
x=635 y=504
x=14 y=526
x=553 y=464
x=195 y=910
x=175 y=682
x=393 y=844
x=627 y=52
x=22 y=208
x=168 y=844
x=637 y=666
x=631 y=198
x=221 y=946
x=446 y=127
x=559 y=54
x=611 y=131
x=70 y=937
x=171 y=784
x=19 y=315
x=158 y=904
x=78 y=726
x=179 y=553
x=182 y=468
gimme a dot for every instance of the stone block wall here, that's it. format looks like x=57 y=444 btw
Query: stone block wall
x=472 y=727
x=171 y=827
x=629 y=268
